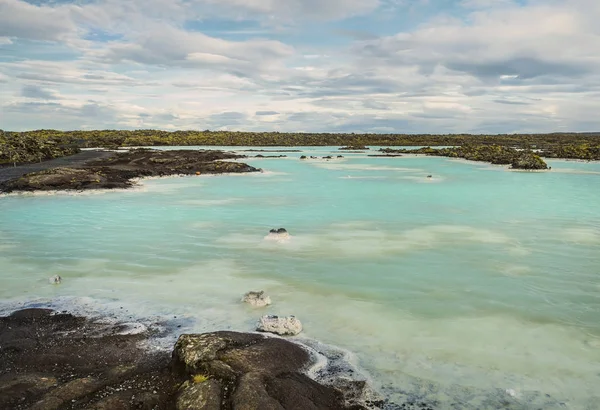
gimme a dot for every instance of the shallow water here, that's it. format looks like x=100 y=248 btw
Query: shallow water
x=478 y=287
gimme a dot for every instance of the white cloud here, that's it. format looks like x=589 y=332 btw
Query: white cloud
x=291 y=10
x=24 y=20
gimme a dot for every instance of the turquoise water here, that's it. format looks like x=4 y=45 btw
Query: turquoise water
x=479 y=286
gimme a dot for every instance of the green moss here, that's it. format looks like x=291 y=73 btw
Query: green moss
x=199 y=378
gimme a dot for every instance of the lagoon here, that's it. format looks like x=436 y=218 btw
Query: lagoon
x=479 y=287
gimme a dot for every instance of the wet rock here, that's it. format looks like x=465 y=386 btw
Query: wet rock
x=49 y=359
x=266 y=372
x=55 y=280
x=281 y=325
x=199 y=396
x=303 y=157
x=67 y=392
x=258 y=299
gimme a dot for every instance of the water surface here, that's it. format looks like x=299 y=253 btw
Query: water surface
x=479 y=286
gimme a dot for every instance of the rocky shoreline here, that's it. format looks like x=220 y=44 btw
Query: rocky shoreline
x=55 y=360
x=119 y=170
x=494 y=154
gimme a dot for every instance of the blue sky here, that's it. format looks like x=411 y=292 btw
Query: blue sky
x=420 y=66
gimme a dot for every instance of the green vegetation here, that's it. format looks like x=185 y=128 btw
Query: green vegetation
x=495 y=154
x=27 y=148
x=576 y=151
x=199 y=378
x=32 y=146
x=115 y=138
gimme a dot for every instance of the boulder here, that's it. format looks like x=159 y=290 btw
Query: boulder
x=258 y=299
x=265 y=373
x=55 y=280
x=281 y=325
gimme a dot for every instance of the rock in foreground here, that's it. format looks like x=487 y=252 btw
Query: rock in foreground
x=241 y=371
x=52 y=361
x=59 y=361
x=284 y=326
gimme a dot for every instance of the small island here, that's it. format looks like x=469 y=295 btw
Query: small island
x=495 y=154
x=354 y=148
x=118 y=170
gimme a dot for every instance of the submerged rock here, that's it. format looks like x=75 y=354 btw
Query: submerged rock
x=279 y=235
x=55 y=280
x=285 y=326
x=258 y=299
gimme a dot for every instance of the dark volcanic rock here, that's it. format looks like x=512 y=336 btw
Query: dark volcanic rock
x=354 y=148
x=54 y=361
x=60 y=361
x=118 y=171
x=251 y=372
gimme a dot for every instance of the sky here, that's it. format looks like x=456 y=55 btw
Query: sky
x=384 y=66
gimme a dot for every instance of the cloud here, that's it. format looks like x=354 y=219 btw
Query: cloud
x=267 y=113
x=24 y=20
x=36 y=92
x=294 y=9
x=179 y=48
x=301 y=65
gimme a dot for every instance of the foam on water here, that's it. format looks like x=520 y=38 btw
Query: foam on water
x=481 y=292
x=582 y=235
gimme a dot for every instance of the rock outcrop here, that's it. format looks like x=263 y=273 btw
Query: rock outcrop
x=258 y=299
x=281 y=325
x=242 y=371
x=528 y=160
x=51 y=360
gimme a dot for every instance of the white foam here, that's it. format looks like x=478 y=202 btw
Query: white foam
x=515 y=270
x=574 y=171
x=582 y=235
x=210 y=202
x=350 y=242
x=363 y=167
